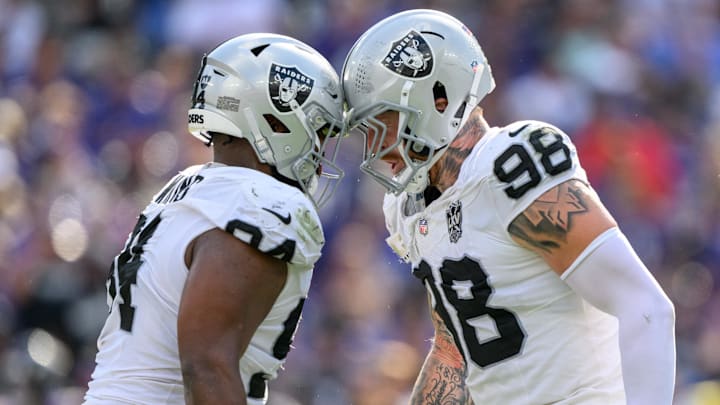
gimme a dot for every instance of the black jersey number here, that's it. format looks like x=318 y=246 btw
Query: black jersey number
x=516 y=166
x=126 y=265
x=466 y=287
x=284 y=252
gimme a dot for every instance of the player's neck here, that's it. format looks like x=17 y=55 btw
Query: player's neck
x=238 y=152
x=445 y=172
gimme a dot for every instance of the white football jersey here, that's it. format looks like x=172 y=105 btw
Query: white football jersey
x=526 y=337
x=137 y=359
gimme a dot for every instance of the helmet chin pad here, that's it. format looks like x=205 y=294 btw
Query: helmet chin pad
x=419 y=181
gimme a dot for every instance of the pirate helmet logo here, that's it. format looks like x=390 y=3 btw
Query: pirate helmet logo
x=289 y=87
x=410 y=56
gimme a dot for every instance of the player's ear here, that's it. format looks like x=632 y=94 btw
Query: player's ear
x=441 y=104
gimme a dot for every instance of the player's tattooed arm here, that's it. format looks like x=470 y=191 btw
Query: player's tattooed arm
x=546 y=222
x=559 y=224
x=442 y=377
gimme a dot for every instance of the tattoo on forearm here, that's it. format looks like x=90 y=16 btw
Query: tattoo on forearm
x=442 y=378
x=547 y=221
x=439 y=384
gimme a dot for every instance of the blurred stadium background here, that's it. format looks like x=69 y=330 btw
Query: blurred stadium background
x=93 y=95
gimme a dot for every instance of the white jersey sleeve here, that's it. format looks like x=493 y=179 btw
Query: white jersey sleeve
x=269 y=216
x=531 y=158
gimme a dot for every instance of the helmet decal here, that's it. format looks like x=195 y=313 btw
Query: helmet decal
x=228 y=103
x=287 y=84
x=410 y=56
x=198 y=94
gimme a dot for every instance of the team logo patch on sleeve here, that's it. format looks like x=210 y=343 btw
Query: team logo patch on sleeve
x=287 y=86
x=454 y=221
x=410 y=56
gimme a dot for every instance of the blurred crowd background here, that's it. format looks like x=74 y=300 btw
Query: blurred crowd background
x=93 y=100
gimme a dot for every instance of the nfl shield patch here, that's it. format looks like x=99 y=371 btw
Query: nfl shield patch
x=454 y=221
x=423 y=226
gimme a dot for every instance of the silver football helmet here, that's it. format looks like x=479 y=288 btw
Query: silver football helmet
x=404 y=63
x=283 y=97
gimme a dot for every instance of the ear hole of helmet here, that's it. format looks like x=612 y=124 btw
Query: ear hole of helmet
x=440 y=97
x=276 y=125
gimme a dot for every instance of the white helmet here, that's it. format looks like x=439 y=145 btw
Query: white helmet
x=283 y=97
x=404 y=63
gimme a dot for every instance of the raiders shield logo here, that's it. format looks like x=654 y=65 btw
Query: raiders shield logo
x=454 y=221
x=410 y=56
x=287 y=86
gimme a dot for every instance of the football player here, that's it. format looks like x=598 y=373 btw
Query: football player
x=207 y=293
x=535 y=293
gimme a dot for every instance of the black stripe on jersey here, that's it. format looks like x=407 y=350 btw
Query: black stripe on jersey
x=424 y=273
x=283 y=342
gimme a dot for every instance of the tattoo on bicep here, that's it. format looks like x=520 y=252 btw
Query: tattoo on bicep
x=547 y=221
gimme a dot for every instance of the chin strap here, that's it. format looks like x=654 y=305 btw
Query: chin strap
x=472 y=99
x=419 y=181
x=482 y=84
x=421 y=176
x=262 y=149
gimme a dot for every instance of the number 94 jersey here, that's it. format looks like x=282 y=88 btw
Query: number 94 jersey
x=137 y=359
x=526 y=337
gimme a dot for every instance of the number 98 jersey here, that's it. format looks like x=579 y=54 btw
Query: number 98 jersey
x=526 y=337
